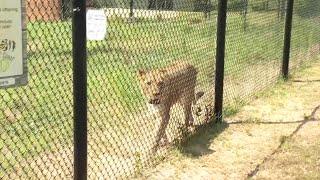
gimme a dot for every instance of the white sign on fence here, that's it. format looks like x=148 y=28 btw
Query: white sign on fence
x=12 y=44
x=96 y=24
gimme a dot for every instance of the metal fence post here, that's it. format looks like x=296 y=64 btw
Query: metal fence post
x=220 y=54
x=79 y=42
x=131 y=9
x=287 y=39
x=245 y=13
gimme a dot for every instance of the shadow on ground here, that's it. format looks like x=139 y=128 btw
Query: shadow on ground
x=199 y=144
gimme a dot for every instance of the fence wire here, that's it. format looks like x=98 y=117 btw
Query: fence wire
x=123 y=127
x=305 y=43
x=144 y=39
x=36 y=120
x=255 y=32
x=254 y=51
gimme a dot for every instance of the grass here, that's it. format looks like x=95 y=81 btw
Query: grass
x=46 y=102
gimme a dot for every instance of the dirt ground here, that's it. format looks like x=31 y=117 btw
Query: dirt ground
x=274 y=137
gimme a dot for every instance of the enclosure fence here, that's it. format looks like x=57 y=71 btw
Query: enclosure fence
x=146 y=36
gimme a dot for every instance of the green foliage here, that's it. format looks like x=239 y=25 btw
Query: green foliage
x=259 y=5
x=203 y=5
x=307 y=8
x=265 y=5
x=236 y=5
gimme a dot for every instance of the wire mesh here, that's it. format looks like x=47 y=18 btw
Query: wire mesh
x=255 y=45
x=305 y=46
x=255 y=31
x=36 y=120
x=145 y=36
x=123 y=128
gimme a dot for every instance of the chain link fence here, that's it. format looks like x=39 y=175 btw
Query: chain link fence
x=123 y=128
x=254 y=50
x=142 y=36
x=36 y=120
x=305 y=33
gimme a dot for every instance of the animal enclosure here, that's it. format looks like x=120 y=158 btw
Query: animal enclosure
x=37 y=120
